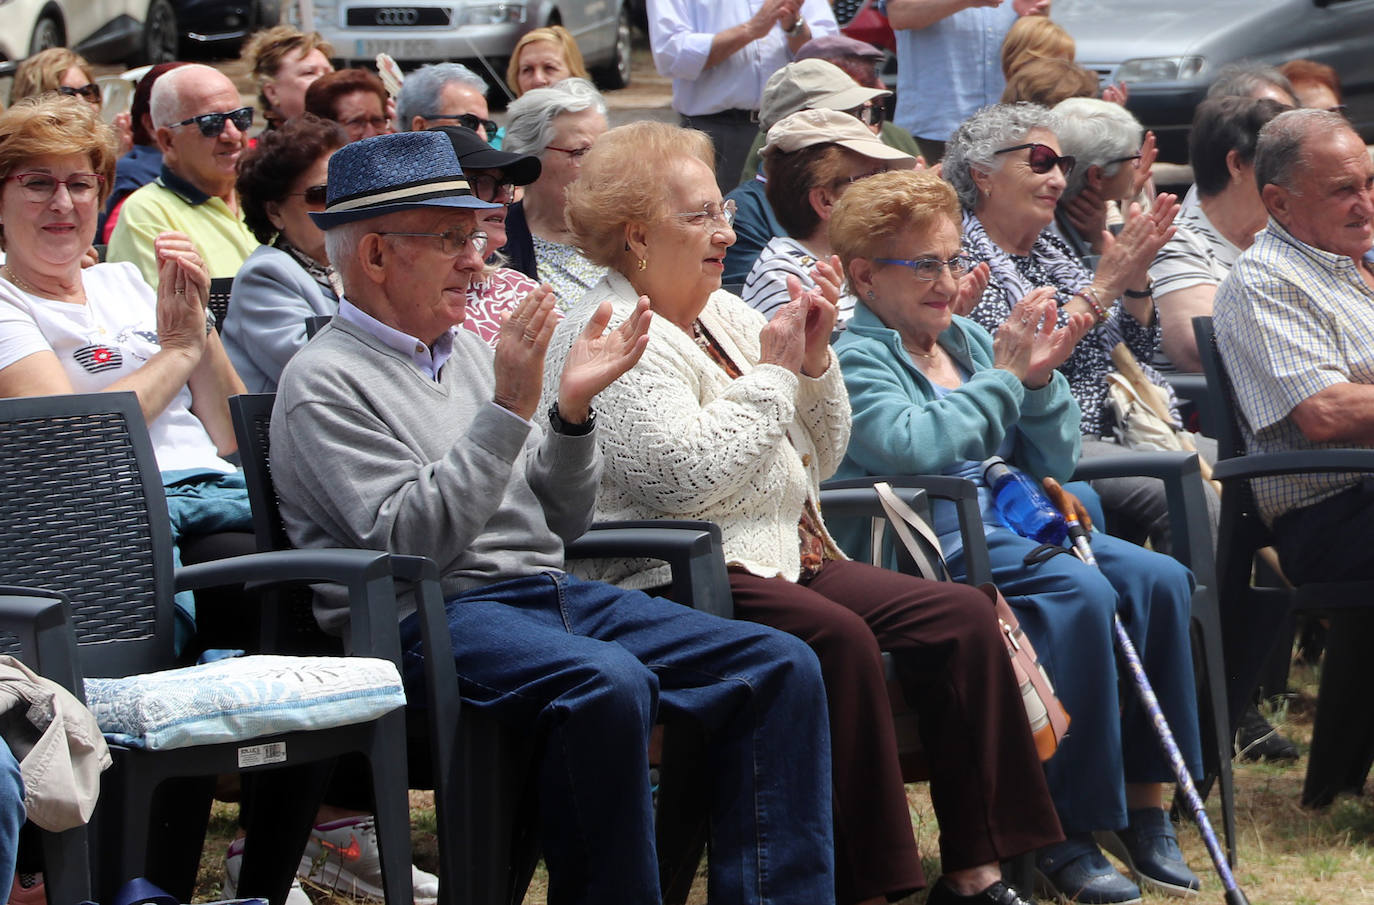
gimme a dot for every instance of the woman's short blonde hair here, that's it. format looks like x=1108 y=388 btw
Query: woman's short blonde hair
x=1034 y=38
x=43 y=72
x=266 y=50
x=1048 y=81
x=622 y=182
x=55 y=125
x=556 y=35
x=875 y=210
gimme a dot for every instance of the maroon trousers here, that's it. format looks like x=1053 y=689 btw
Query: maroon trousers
x=986 y=784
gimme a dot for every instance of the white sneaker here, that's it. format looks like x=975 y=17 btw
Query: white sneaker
x=342 y=856
x=233 y=865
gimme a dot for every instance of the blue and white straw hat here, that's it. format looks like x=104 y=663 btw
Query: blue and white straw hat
x=390 y=173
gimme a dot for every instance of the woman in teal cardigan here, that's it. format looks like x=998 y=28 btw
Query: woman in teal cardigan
x=934 y=393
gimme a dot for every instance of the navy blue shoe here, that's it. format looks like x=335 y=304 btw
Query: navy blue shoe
x=998 y=893
x=1074 y=871
x=1149 y=849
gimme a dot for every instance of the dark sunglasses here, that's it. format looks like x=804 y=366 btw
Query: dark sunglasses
x=212 y=124
x=468 y=121
x=870 y=114
x=492 y=188
x=314 y=195
x=1042 y=158
x=89 y=92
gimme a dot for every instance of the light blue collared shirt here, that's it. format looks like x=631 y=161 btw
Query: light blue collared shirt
x=950 y=69
x=428 y=360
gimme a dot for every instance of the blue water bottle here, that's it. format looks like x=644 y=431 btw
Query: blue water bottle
x=1023 y=506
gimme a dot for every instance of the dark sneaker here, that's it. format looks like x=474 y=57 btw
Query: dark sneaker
x=1257 y=740
x=998 y=893
x=1076 y=871
x=1149 y=849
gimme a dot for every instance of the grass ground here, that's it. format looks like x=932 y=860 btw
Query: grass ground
x=1287 y=855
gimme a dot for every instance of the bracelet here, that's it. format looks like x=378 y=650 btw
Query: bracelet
x=1145 y=293
x=1089 y=295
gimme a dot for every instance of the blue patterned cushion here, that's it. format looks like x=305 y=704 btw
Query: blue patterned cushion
x=242 y=698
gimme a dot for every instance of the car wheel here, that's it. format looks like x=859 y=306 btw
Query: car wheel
x=47 y=32
x=617 y=74
x=161 y=37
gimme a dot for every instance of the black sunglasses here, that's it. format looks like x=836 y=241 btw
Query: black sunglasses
x=212 y=124
x=1042 y=158
x=467 y=121
x=314 y=195
x=90 y=91
x=870 y=114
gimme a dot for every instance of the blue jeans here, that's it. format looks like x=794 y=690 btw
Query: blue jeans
x=11 y=817
x=201 y=503
x=590 y=667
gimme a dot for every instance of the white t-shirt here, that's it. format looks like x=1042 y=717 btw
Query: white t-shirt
x=97 y=343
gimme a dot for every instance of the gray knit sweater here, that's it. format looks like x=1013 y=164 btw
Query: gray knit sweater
x=369 y=452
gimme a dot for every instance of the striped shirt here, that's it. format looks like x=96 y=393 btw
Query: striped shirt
x=1197 y=255
x=765 y=289
x=1292 y=320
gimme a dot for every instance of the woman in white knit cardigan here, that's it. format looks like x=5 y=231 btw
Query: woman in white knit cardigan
x=734 y=421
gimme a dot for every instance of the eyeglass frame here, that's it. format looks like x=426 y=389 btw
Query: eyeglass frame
x=89 y=92
x=1137 y=157
x=916 y=264
x=490 y=125
x=378 y=122
x=1065 y=162
x=99 y=181
x=501 y=189
x=322 y=189
x=469 y=239
x=220 y=119
x=575 y=154
x=877 y=114
x=724 y=217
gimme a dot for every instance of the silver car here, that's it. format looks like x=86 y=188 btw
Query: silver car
x=1169 y=51
x=478 y=33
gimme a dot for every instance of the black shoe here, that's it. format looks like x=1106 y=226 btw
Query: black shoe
x=1257 y=740
x=998 y=893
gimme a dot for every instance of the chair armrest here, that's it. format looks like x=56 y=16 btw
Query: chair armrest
x=41 y=620
x=693 y=551
x=1192 y=389
x=1189 y=524
x=960 y=491
x=365 y=573
x=1306 y=461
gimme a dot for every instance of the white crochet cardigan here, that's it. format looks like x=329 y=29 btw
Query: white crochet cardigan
x=680 y=439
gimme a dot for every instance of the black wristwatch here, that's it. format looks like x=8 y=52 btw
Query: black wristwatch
x=571 y=430
x=1148 y=291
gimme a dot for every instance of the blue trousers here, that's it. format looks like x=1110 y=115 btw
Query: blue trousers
x=201 y=503
x=1066 y=609
x=590 y=667
x=11 y=817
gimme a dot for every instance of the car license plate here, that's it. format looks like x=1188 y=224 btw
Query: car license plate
x=400 y=48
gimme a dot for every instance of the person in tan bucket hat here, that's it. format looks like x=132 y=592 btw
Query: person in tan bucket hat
x=811 y=157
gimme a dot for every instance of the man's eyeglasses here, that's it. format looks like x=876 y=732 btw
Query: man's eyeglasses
x=90 y=92
x=212 y=124
x=492 y=188
x=1042 y=158
x=870 y=114
x=467 y=121
x=315 y=195
x=452 y=241
x=929 y=269
x=711 y=214
x=39 y=187
x=576 y=154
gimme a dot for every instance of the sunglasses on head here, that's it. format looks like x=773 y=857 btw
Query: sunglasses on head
x=89 y=92
x=212 y=124
x=1042 y=158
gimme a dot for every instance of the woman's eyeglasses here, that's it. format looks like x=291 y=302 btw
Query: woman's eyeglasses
x=1042 y=158
x=212 y=124
x=452 y=241
x=1134 y=158
x=90 y=92
x=359 y=124
x=575 y=154
x=467 y=121
x=929 y=269
x=870 y=114
x=315 y=195
x=492 y=188
x=711 y=214
x=39 y=187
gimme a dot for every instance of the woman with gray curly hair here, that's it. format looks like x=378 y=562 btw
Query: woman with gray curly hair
x=1006 y=164
x=558 y=124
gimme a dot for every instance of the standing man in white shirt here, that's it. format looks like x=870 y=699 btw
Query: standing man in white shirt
x=720 y=54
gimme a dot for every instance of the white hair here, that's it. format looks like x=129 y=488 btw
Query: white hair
x=530 y=126
x=165 y=102
x=420 y=91
x=1095 y=132
x=341 y=245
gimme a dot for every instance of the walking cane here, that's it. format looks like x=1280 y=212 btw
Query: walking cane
x=1078 y=536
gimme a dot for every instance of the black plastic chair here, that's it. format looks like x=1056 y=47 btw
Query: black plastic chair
x=315 y=323
x=479 y=768
x=83 y=514
x=221 y=288
x=1257 y=621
